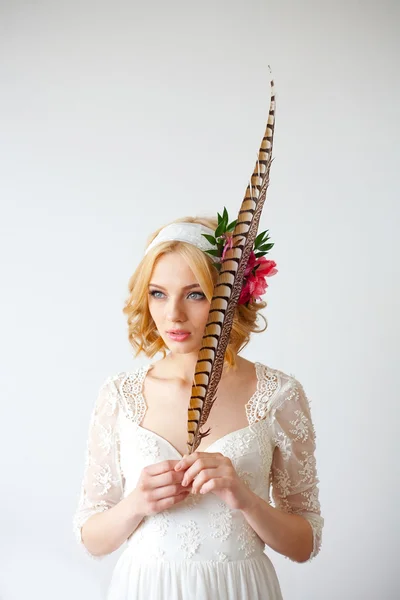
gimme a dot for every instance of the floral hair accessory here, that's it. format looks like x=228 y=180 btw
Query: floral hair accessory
x=258 y=268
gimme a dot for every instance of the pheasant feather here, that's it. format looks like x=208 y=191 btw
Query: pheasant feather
x=227 y=290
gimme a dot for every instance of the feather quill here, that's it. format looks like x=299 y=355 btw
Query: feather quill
x=210 y=362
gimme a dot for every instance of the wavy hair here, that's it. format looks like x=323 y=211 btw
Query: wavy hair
x=142 y=333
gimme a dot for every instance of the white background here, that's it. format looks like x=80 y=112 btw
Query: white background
x=118 y=117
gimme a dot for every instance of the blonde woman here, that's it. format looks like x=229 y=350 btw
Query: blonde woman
x=197 y=526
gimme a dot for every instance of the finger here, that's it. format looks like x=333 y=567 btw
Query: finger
x=165 y=492
x=198 y=467
x=187 y=460
x=161 y=467
x=168 y=502
x=163 y=479
x=203 y=478
x=214 y=484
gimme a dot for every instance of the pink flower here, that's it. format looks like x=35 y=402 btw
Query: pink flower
x=255 y=283
x=245 y=294
x=251 y=263
x=266 y=267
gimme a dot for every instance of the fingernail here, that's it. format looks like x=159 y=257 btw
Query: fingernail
x=184 y=482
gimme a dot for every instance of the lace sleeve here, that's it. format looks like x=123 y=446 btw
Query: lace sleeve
x=294 y=470
x=102 y=484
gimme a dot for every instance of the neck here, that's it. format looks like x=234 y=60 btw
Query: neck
x=182 y=366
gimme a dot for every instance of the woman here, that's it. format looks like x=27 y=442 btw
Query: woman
x=197 y=525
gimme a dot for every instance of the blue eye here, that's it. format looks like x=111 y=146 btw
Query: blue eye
x=200 y=295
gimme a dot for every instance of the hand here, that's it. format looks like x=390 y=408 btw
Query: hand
x=214 y=472
x=159 y=487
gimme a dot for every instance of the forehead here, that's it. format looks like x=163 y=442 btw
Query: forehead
x=172 y=264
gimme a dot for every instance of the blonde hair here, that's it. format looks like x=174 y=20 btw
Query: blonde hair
x=142 y=333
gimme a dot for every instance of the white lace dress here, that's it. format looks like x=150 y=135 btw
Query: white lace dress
x=201 y=549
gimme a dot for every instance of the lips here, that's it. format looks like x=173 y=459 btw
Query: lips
x=178 y=331
x=178 y=336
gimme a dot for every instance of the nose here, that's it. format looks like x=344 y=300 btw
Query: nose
x=175 y=312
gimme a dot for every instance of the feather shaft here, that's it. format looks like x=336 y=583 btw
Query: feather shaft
x=210 y=362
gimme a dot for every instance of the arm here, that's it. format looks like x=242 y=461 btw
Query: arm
x=294 y=527
x=106 y=531
x=103 y=520
x=287 y=534
x=212 y=472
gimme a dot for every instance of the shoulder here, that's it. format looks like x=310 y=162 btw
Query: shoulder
x=289 y=409
x=124 y=381
x=282 y=378
x=124 y=392
x=279 y=385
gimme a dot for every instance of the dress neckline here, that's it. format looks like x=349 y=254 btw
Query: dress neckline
x=247 y=407
x=221 y=439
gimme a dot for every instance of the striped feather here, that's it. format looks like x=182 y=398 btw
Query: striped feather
x=227 y=290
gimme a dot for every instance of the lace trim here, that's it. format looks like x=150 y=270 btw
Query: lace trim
x=317 y=524
x=132 y=392
x=257 y=407
x=268 y=382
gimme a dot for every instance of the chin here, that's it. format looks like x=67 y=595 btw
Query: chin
x=182 y=348
x=179 y=350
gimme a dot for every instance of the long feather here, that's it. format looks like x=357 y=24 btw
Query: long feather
x=227 y=290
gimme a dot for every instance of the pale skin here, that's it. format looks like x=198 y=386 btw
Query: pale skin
x=178 y=302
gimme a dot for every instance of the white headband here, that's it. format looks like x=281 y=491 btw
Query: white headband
x=184 y=232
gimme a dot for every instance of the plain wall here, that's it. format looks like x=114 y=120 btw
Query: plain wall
x=118 y=117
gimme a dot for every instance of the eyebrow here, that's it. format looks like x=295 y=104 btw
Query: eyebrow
x=187 y=287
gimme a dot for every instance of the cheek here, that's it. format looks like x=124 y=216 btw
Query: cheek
x=197 y=314
x=201 y=316
x=154 y=311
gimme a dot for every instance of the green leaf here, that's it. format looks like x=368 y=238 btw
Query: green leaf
x=210 y=238
x=266 y=247
x=258 y=254
x=213 y=252
x=260 y=238
x=225 y=219
x=219 y=218
x=232 y=225
x=220 y=229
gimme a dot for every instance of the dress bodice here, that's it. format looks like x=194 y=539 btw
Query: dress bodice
x=273 y=455
x=200 y=527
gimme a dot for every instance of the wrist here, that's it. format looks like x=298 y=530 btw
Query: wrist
x=134 y=506
x=251 y=502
